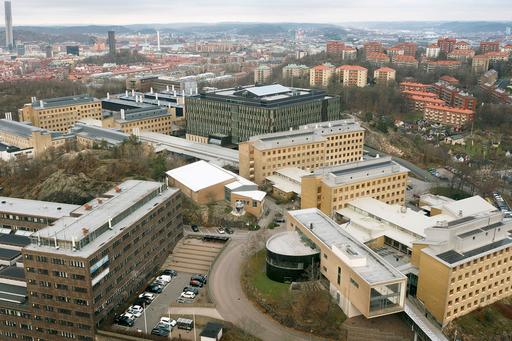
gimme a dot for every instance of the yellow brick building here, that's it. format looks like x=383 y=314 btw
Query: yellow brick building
x=60 y=114
x=25 y=136
x=331 y=188
x=463 y=265
x=156 y=120
x=309 y=148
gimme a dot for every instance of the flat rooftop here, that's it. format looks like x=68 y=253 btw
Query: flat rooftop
x=90 y=230
x=453 y=256
x=359 y=171
x=315 y=132
x=200 y=175
x=8 y=254
x=375 y=268
x=111 y=136
x=64 y=101
x=35 y=208
x=14 y=240
x=12 y=293
x=18 y=128
x=289 y=243
x=13 y=272
x=267 y=95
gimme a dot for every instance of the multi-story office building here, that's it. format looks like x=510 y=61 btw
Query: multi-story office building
x=9 y=36
x=321 y=75
x=446 y=45
x=161 y=112
x=454 y=97
x=84 y=266
x=25 y=136
x=377 y=58
x=471 y=259
x=360 y=281
x=384 y=75
x=60 y=114
x=331 y=188
x=240 y=113
x=295 y=71
x=262 y=74
x=309 y=148
x=90 y=136
x=433 y=51
x=24 y=216
x=455 y=117
x=352 y=75
x=464 y=243
x=112 y=42
x=489 y=46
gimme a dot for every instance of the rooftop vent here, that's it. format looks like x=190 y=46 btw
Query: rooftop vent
x=87 y=207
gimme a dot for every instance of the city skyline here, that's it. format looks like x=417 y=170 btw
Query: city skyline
x=28 y=12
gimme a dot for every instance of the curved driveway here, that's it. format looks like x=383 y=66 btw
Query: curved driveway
x=233 y=305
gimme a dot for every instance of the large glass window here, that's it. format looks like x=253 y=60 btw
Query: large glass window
x=385 y=298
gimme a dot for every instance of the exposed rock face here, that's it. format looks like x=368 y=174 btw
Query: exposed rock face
x=67 y=188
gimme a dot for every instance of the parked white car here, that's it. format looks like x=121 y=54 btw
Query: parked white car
x=168 y=321
x=136 y=310
x=149 y=295
x=164 y=278
x=188 y=294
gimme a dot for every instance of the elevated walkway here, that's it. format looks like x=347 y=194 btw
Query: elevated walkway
x=216 y=154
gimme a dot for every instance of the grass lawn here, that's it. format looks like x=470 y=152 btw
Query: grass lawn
x=309 y=310
x=258 y=278
x=488 y=322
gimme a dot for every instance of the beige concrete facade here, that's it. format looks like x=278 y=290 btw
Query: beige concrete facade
x=60 y=114
x=330 y=189
x=344 y=262
x=318 y=145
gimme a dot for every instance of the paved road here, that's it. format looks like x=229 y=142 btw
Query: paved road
x=200 y=311
x=234 y=306
x=419 y=172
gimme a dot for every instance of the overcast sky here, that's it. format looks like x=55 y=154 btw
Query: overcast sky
x=52 y=12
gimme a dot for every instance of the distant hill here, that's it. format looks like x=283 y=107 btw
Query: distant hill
x=452 y=26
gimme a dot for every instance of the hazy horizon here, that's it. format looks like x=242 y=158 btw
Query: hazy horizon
x=119 y=12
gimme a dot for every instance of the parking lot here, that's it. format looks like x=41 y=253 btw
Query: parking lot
x=160 y=305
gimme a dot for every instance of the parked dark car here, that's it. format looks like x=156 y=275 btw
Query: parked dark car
x=196 y=283
x=169 y=272
x=202 y=278
x=160 y=331
x=122 y=320
x=194 y=228
x=154 y=288
x=192 y=289
x=229 y=230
